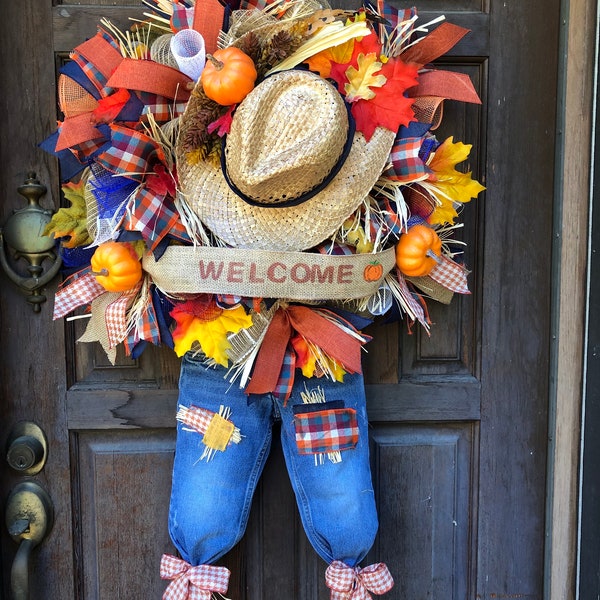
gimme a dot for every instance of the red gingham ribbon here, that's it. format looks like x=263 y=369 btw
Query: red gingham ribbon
x=354 y=583
x=192 y=583
x=451 y=275
x=76 y=293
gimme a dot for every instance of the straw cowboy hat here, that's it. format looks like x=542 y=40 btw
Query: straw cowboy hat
x=293 y=167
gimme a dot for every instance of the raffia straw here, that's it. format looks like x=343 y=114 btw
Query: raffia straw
x=328 y=36
x=398 y=40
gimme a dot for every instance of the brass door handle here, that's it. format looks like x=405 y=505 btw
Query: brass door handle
x=29 y=516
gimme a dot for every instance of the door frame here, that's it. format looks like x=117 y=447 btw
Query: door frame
x=575 y=99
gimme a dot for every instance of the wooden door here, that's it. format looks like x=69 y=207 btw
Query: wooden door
x=459 y=420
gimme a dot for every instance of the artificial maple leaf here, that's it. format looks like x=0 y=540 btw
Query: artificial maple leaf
x=71 y=222
x=321 y=62
x=389 y=108
x=223 y=124
x=361 y=80
x=448 y=185
x=210 y=329
x=109 y=107
x=161 y=182
x=305 y=359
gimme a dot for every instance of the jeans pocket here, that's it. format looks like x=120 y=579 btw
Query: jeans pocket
x=325 y=428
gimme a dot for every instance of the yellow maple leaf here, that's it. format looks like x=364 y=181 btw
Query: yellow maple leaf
x=321 y=61
x=212 y=335
x=71 y=222
x=361 y=80
x=448 y=185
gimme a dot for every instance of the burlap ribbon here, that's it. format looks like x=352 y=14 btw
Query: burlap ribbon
x=192 y=583
x=314 y=327
x=354 y=583
x=269 y=274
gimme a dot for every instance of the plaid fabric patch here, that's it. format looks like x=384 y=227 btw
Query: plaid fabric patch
x=407 y=165
x=393 y=16
x=410 y=304
x=130 y=152
x=81 y=288
x=326 y=431
x=192 y=583
x=146 y=328
x=451 y=275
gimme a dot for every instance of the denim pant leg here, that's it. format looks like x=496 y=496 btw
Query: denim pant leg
x=210 y=501
x=336 y=500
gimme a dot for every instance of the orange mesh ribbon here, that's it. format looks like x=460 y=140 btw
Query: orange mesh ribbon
x=208 y=21
x=152 y=77
x=435 y=44
x=101 y=54
x=317 y=329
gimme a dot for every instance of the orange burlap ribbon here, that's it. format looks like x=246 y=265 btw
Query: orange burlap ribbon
x=152 y=77
x=208 y=21
x=317 y=329
x=101 y=54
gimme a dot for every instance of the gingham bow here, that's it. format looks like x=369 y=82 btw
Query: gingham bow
x=192 y=583
x=354 y=583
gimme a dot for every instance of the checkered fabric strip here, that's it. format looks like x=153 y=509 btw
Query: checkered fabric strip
x=354 y=583
x=93 y=74
x=162 y=109
x=407 y=166
x=129 y=152
x=76 y=292
x=195 y=417
x=115 y=316
x=326 y=431
x=285 y=383
x=335 y=249
x=192 y=583
x=451 y=275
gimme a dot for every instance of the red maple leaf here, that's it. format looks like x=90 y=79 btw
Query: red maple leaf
x=161 y=182
x=223 y=124
x=108 y=108
x=390 y=108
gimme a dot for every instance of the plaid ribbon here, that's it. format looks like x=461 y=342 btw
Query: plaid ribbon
x=451 y=275
x=354 y=583
x=145 y=328
x=393 y=16
x=130 y=153
x=192 y=583
x=407 y=165
x=79 y=289
x=323 y=431
x=182 y=18
x=409 y=303
x=154 y=217
x=162 y=109
x=285 y=383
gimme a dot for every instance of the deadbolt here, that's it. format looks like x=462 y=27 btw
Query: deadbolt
x=27 y=448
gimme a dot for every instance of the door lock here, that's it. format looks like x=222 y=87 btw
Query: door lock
x=27 y=448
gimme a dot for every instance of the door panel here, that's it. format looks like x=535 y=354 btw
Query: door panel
x=458 y=419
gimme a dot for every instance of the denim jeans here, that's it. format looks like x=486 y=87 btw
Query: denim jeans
x=210 y=500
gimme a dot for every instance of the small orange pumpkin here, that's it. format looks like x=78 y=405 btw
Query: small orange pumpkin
x=418 y=251
x=116 y=266
x=373 y=271
x=228 y=76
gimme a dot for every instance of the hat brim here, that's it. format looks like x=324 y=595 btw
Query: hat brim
x=300 y=227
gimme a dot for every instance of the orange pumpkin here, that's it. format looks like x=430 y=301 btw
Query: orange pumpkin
x=373 y=271
x=418 y=251
x=228 y=76
x=116 y=266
